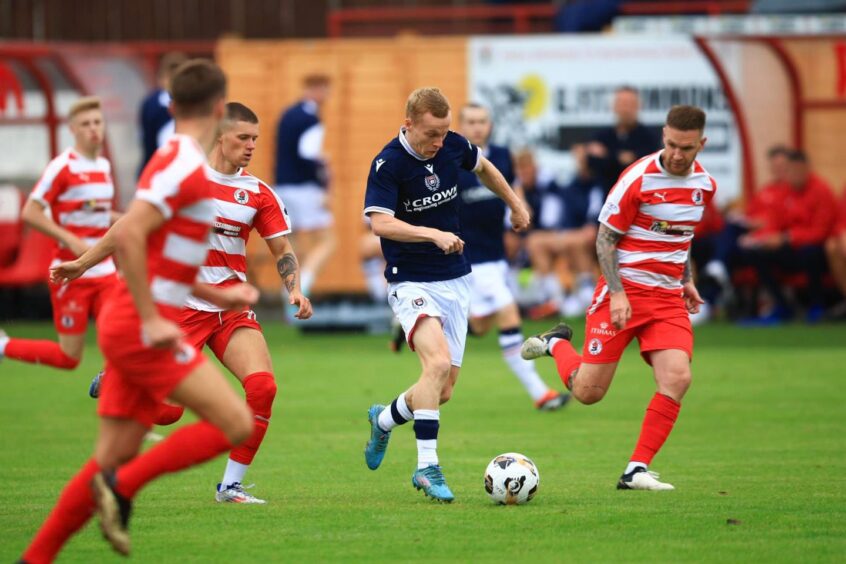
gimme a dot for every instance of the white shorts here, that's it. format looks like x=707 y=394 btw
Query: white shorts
x=489 y=288
x=448 y=300
x=307 y=206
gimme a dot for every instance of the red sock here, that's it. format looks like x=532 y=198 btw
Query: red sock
x=169 y=414
x=185 y=447
x=660 y=417
x=261 y=389
x=73 y=509
x=567 y=360
x=39 y=352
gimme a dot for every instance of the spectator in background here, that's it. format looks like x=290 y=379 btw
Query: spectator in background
x=302 y=178
x=703 y=250
x=585 y=15
x=791 y=238
x=835 y=248
x=615 y=148
x=569 y=232
x=154 y=117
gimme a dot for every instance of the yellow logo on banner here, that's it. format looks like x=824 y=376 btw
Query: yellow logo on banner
x=536 y=96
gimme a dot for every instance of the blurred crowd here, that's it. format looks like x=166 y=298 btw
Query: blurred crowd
x=769 y=258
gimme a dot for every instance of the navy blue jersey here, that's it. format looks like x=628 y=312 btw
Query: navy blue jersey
x=483 y=212
x=420 y=192
x=293 y=167
x=153 y=117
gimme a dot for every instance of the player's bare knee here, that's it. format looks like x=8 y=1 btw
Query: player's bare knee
x=589 y=395
x=241 y=426
x=437 y=369
x=446 y=393
x=675 y=383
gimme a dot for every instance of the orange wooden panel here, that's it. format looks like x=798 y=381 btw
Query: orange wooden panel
x=371 y=79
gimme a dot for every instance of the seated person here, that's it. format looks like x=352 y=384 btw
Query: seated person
x=566 y=228
x=703 y=250
x=791 y=239
x=835 y=249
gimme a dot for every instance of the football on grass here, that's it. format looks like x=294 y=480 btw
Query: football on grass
x=511 y=479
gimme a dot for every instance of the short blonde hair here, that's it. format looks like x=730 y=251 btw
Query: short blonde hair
x=83 y=105
x=426 y=100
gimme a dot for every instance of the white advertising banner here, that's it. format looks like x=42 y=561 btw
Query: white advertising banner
x=548 y=92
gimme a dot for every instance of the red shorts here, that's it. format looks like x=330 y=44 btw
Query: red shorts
x=78 y=300
x=138 y=378
x=215 y=328
x=660 y=321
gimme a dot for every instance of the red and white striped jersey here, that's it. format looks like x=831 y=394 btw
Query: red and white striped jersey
x=656 y=212
x=242 y=202
x=175 y=182
x=79 y=192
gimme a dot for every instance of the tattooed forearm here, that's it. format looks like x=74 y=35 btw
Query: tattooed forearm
x=288 y=267
x=688 y=271
x=606 y=253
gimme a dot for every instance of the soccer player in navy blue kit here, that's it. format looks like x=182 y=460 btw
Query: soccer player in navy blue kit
x=483 y=222
x=413 y=204
x=302 y=178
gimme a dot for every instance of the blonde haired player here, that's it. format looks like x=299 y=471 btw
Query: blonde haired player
x=77 y=187
x=413 y=203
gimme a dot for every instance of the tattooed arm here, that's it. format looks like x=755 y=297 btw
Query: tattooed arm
x=606 y=253
x=289 y=270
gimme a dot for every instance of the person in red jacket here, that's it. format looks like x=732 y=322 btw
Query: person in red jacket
x=795 y=227
x=835 y=250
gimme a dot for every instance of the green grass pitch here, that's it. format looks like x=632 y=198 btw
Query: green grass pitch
x=761 y=441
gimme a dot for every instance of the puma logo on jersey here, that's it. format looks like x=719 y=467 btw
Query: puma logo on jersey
x=661 y=195
x=379 y=163
x=430 y=168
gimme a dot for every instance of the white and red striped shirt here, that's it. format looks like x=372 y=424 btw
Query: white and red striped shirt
x=79 y=192
x=656 y=212
x=242 y=202
x=175 y=182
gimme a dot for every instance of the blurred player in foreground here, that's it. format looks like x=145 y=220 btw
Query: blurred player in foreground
x=77 y=186
x=242 y=202
x=646 y=289
x=482 y=228
x=160 y=243
x=412 y=201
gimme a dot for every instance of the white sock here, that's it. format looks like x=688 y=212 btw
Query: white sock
x=235 y=472
x=552 y=342
x=427 y=449
x=386 y=420
x=306 y=280
x=525 y=371
x=633 y=464
x=373 y=269
x=3 y=342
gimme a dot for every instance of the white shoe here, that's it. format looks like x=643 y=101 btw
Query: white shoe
x=4 y=338
x=234 y=493
x=642 y=479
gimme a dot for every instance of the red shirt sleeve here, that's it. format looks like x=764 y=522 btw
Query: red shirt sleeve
x=271 y=218
x=622 y=205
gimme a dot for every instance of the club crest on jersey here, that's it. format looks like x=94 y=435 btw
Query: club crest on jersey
x=418 y=302
x=67 y=321
x=433 y=182
x=595 y=347
x=697 y=197
x=242 y=197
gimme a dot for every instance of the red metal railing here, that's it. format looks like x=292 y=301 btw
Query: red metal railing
x=518 y=18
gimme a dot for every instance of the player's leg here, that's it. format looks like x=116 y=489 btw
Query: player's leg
x=71 y=307
x=317 y=246
x=542 y=257
x=243 y=351
x=510 y=341
x=435 y=386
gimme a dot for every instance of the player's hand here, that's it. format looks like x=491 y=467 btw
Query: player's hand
x=77 y=246
x=692 y=299
x=520 y=217
x=296 y=298
x=449 y=243
x=160 y=333
x=238 y=296
x=621 y=310
x=65 y=272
